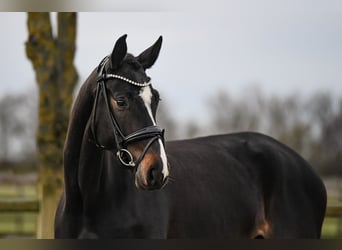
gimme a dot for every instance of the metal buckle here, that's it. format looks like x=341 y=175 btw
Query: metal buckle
x=124 y=153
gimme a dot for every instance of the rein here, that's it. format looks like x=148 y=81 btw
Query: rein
x=152 y=132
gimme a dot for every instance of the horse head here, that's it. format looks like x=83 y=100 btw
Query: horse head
x=124 y=111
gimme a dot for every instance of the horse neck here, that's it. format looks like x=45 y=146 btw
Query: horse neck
x=79 y=117
x=90 y=166
x=100 y=171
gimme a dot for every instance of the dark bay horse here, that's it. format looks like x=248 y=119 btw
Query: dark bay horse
x=123 y=181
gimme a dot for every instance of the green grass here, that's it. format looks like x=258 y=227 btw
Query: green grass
x=18 y=224
x=332 y=228
x=13 y=191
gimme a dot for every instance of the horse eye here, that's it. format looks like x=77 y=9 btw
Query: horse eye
x=121 y=102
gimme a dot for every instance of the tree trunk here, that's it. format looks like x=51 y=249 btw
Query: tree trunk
x=56 y=76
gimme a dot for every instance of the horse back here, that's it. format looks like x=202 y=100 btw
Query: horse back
x=248 y=184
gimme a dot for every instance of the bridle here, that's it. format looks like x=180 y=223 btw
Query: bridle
x=122 y=141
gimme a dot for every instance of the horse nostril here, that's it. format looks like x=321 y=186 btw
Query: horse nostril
x=150 y=176
x=154 y=176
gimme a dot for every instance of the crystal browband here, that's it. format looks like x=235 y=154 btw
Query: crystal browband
x=128 y=80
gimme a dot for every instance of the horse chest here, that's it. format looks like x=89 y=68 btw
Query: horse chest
x=140 y=216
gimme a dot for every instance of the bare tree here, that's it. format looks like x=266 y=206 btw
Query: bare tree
x=9 y=124
x=232 y=115
x=312 y=127
x=17 y=127
x=328 y=148
x=52 y=59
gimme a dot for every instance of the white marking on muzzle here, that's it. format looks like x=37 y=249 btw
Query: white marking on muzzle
x=146 y=95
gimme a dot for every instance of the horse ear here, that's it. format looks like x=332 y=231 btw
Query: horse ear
x=119 y=52
x=150 y=55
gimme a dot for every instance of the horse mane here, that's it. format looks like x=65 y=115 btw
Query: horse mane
x=79 y=117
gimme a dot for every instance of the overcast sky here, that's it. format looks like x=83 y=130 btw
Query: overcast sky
x=294 y=47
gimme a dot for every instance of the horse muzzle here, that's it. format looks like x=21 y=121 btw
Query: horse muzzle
x=149 y=174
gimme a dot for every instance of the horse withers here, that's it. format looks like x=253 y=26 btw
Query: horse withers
x=122 y=180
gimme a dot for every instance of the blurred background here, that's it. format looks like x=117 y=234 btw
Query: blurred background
x=272 y=68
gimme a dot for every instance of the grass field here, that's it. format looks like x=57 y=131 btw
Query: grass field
x=13 y=191
x=18 y=224
x=332 y=228
x=21 y=224
x=24 y=224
